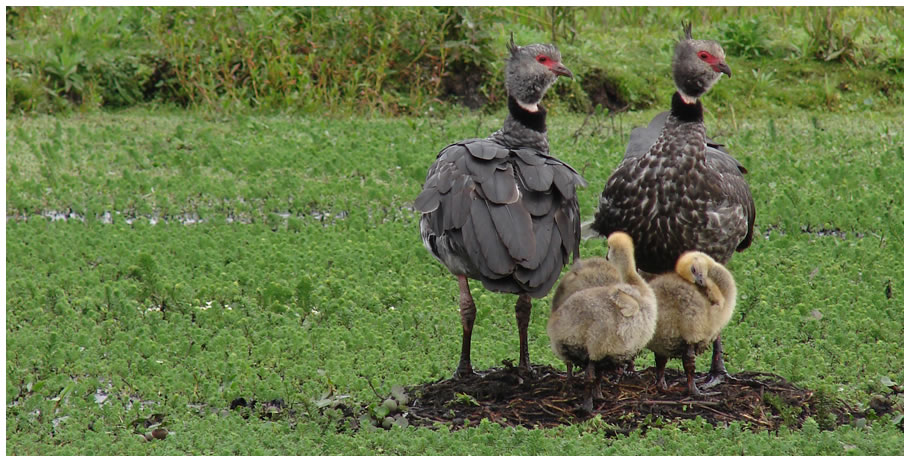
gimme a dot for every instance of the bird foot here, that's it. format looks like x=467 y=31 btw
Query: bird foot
x=697 y=393
x=714 y=379
x=625 y=370
x=586 y=407
x=526 y=372
x=464 y=371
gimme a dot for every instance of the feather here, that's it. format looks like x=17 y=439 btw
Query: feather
x=566 y=179
x=543 y=228
x=514 y=226
x=487 y=150
x=460 y=202
x=547 y=271
x=531 y=156
x=536 y=177
x=625 y=301
x=445 y=177
x=427 y=201
x=480 y=170
x=538 y=203
x=471 y=244
x=450 y=153
x=500 y=187
x=566 y=230
x=496 y=261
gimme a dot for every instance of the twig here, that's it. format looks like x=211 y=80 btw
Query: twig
x=706 y=403
x=716 y=411
x=370 y=382
x=584 y=122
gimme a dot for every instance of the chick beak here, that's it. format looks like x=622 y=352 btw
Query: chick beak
x=723 y=68
x=699 y=279
x=560 y=69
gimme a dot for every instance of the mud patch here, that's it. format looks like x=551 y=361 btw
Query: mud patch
x=543 y=400
x=603 y=90
x=462 y=82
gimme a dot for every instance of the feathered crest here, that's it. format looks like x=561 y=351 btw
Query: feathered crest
x=511 y=46
x=687 y=30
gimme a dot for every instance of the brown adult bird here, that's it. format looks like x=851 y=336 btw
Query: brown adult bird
x=501 y=209
x=675 y=190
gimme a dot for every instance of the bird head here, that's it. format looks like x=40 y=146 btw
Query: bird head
x=697 y=65
x=694 y=267
x=531 y=70
x=621 y=248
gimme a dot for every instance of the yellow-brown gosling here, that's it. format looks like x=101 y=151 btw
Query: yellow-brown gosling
x=601 y=327
x=584 y=274
x=695 y=302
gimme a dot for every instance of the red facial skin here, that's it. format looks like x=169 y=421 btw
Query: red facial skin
x=711 y=59
x=555 y=66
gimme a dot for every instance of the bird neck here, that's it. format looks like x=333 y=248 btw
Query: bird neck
x=626 y=268
x=684 y=111
x=722 y=278
x=536 y=121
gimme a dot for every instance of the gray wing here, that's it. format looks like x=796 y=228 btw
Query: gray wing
x=508 y=218
x=734 y=187
x=642 y=138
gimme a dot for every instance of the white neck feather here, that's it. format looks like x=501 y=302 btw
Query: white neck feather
x=687 y=98
x=528 y=107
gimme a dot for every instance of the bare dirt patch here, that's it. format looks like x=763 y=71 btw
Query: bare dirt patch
x=543 y=399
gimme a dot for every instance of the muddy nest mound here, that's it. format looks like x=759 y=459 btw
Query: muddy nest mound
x=543 y=399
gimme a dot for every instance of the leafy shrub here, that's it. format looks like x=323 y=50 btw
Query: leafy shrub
x=745 y=37
x=851 y=35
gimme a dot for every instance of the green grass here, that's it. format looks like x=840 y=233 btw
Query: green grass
x=341 y=292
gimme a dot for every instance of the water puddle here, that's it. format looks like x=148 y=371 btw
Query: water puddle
x=325 y=217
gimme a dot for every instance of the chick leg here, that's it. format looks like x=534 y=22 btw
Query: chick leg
x=467 y=311
x=589 y=387
x=660 y=363
x=717 y=373
x=523 y=313
x=568 y=383
x=599 y=378
x=689 y=366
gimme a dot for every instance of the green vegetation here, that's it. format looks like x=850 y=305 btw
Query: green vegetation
x=403 y=60
x=212 y=254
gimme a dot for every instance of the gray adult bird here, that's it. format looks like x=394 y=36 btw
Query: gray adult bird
x=675 y=190
x=501 y=209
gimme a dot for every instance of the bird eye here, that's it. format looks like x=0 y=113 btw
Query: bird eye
x=542 y=59
x=703 y=55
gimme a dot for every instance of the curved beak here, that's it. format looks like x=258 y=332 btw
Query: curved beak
x=723 y=68
x=560 y=69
